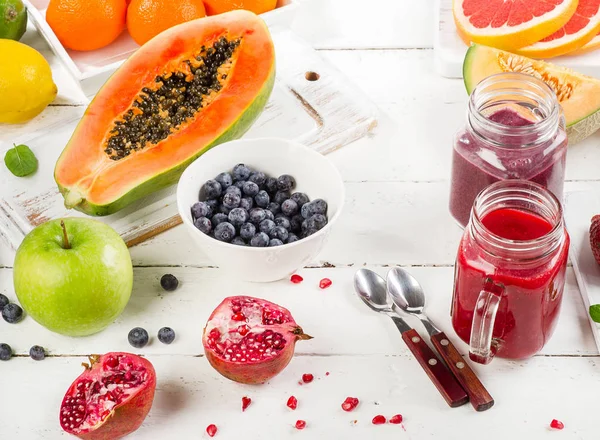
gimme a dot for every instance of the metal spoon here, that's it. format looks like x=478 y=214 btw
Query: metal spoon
x=408 y=295
x=372 y=289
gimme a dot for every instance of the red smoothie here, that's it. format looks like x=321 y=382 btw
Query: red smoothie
x=531 y=292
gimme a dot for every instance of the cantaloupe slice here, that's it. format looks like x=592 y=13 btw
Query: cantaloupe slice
x=579 y=95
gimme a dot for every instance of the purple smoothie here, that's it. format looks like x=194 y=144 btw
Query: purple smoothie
x=476 y=164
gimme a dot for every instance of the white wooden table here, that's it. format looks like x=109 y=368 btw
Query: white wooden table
x=397 y=191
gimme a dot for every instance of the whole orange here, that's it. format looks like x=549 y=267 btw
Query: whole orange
x=148 y=18
x=86 y=24
x=214 y=7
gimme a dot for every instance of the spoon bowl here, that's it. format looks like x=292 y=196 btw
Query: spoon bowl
x=371 y=288
x=405 y=290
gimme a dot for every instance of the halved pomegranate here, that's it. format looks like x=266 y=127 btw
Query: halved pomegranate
x=250 y=340
x=110 y=399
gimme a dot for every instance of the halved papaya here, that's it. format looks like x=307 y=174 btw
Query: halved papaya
x=578 y=95
x=187 y=90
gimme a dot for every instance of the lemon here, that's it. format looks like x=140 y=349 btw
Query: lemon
x=26 y=86
x=13 y=19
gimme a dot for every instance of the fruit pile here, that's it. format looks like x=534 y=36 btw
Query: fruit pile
x=247 y=207
x=533 y=28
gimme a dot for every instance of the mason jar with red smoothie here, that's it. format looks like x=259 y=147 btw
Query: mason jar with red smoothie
x=515 y=129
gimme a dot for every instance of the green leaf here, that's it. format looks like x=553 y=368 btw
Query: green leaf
x=21 y=161
x=595 y=312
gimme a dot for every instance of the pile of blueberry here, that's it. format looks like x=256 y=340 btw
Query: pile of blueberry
x=246 y=207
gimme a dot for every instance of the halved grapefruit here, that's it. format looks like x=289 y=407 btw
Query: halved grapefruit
x=579 y=30
x=592 y=45
x=510 y=24
x=578 y=95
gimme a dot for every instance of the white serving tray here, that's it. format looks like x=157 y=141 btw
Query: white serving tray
x=325 y=114
x=85 y=65
x=580 y=207
x=449 y=49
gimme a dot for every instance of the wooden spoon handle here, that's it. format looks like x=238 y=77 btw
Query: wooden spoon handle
x=479 y=396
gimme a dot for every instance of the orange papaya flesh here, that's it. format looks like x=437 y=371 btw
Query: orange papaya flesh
x=187 y=90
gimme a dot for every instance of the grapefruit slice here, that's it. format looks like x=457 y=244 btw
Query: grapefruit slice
x=592 y=45
x=510 y=24
x=579 y=30
x=578 y=95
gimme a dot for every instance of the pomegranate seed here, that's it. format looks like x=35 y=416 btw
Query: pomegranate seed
x=325 y=283
x=296 y=279
x=211 y=430
x=243 y=330
x=300 y=424
x=246 y=401
x=327 y=373
x=396 y=420
x=378 y=420
x=349 y=404
x=307 y=378
x=556 y=424
x=238 y=317
x=292 y=403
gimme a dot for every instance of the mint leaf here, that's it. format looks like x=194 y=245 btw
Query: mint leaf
x=21 y=161
x=595 y=312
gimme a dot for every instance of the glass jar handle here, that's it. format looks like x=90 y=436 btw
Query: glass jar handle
x=484 y=317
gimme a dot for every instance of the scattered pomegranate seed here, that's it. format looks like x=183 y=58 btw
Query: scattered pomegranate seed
x=292 y=403
x=396 y=420
x=378 y=420
x=349 y=404
x=300 y=424
x=307 y=378
x=211 y=430
x=325 y=283
x=556 y=424
x=296 y=279
x=246 y=401
x=327 y=373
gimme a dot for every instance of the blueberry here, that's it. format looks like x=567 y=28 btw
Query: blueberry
x=166 y=335
x=316 y=221
x=289 y=208
x=138 y=337
x=234 y=190
x=218 y=219
x=274 y=208
x=307 y=210
x=212 y=189
x=225 y=180
x=283 y=221
x=300 y=199
x=275 y=242
x=247 y=203
x=269 y=215
x=224 y=209
x=238 y=241
x=308 y=232
x=201 y=209
x=37 y=353
x=257 y=215
x=247 y=231
x=5 y=352
x=238 y=216
x=262 y=199
x=285 y=182
x=267 y=225
x=292 y=238
x=203 y=225
x=271 y=185
x=295 y=223
x=320 y=206
x=280 y=233
x=225 y=232
x=258 y=177
x=213 y=203
x=260 y=240
x=250 y=189
x=231 y=200
x=241 y=172
x=281 y=196
x=239 y=184
x=169 y=282
x=3 y=301
x=12 y=313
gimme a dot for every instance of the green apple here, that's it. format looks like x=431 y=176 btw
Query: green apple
x=73 y=276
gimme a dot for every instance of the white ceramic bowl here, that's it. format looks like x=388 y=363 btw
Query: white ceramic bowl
x=315 y=175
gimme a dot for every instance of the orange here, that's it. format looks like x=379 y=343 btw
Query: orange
x=510 y=24
x=86 y=24
x=148 y=18
x=589 y=47
x=214 y=7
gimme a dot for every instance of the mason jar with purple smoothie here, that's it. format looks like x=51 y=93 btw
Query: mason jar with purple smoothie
x=515 y=129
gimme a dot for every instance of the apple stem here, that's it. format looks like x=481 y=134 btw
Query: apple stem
x=66 y=244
